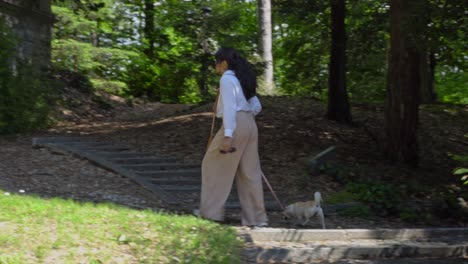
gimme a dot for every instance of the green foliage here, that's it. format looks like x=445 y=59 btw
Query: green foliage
x=367 y=26
x=302 y=48
x=452 y=85
x=384 y=198
x=342 y=197
x=24 y=102
x=462 y=172
x=379 y=197
x=25 y=98
x=415 y=216
x=84 y=42
x=73 y=79
x=112 y=87
x=337 y=171
x=106 y=40
x=357 y=210
x=99 y=64
x=447 y=40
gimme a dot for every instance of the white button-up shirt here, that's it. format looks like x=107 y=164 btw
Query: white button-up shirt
x=231 y=100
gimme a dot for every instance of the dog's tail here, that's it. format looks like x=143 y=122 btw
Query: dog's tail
x=317 y=198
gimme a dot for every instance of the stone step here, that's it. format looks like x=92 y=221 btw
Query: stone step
x=393 y=261
x=176 y=181
x=109 y=148
x=58 y=140
x=360 y=249
x=390 y=246
x=270 y=205
x=160 y=166
x=157 y=174
x=123 y=155
x=308 y=235
x=181 y=188
x=142 y=160
x=88 y=144
x=231 y=203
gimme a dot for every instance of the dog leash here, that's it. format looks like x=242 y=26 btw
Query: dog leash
x=211 y=139
x=272 y=192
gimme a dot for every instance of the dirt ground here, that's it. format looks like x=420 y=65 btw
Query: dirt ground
x=291 y=131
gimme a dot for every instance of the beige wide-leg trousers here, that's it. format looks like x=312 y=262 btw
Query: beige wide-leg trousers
x=220 y=170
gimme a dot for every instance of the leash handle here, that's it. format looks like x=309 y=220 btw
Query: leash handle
x=272 y=192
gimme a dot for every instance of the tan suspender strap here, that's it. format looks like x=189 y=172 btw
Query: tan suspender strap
x=215 y=106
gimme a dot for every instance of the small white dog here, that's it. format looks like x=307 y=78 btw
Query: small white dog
x=303 y=211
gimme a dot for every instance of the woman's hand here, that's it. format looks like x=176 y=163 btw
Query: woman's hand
x=226 y=147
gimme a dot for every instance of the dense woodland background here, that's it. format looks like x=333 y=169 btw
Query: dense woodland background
x=162 y=49
x=392 y=54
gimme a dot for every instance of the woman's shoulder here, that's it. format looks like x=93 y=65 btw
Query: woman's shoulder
x=229 y=73
x=228 y=76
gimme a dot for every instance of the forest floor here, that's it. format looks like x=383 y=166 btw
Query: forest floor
x=291 y=130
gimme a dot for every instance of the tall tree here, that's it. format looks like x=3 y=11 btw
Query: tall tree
x=427 y=92
x=427 y=68
x=404 y=80
x=149 y=28
x=264 y=22
x=205 y=56
x=338 y=103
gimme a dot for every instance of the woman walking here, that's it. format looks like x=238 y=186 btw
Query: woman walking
x=233 y=153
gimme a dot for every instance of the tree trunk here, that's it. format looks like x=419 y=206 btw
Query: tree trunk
x=148 y=31
x=264 y=23
x=149 y=28
x=95 y=35
x=404 y=82
x=205 y=57
x=205 y=60
x=428 y=95
x=432 y=65
x=338 y=104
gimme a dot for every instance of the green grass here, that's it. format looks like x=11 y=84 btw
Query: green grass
x=36 y=230
x=342 y=197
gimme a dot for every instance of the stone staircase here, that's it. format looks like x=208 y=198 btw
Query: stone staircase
x=176 y=183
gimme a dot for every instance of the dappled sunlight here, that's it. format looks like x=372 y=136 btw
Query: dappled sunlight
x=109 y=127
x=66 y=230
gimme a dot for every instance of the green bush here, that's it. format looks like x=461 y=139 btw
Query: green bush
x=463 y=170
x=72 y=79
x=25 y=102
x=451 y=85
x=112 y=87
x=357 y=210
x=342 y=197
x=384 y=198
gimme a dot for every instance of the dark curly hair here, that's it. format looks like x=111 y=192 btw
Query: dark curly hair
x=241 y=67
